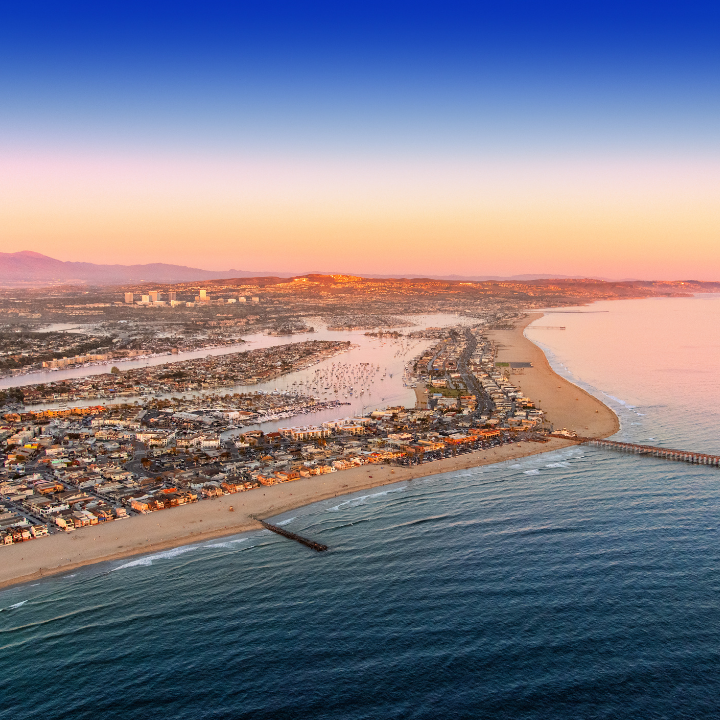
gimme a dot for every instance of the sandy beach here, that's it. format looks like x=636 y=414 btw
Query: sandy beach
x=566 y=406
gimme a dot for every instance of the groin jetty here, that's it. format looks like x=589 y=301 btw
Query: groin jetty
x=666 y=453
x=293 y=536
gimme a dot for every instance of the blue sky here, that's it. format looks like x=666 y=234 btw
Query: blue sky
x=463 y=76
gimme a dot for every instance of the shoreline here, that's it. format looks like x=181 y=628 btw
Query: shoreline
x=566 y=405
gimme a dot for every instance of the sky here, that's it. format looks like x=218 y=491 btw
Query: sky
x=468 y=138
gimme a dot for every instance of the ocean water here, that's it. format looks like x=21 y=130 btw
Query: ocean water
x=574 y=584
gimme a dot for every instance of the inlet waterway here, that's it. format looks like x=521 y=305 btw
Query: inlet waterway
x=575 y=584
x=388 y=356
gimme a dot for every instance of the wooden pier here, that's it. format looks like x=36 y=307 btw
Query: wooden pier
x=292 y=536
x=659 y=452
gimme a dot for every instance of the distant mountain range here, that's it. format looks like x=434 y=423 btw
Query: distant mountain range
x=26 y=267
x=30 y=268
x=492 y=278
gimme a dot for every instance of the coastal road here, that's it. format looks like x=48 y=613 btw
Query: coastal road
x=484 y=402
x=135 y=465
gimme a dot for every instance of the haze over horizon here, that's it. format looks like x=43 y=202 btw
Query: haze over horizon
x=27 y=267
x=394 y=139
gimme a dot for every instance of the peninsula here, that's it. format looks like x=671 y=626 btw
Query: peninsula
x=562 y=403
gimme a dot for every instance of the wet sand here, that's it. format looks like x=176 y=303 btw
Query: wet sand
x=566 y=404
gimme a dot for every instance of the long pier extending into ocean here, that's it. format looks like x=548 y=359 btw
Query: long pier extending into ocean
x=319 y=547
x=695 y=458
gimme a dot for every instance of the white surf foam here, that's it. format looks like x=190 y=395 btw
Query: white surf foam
x=226 y=543
x=354 y=502
x=619 y=401
x=150 y=559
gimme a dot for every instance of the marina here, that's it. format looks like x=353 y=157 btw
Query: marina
x=369 y=375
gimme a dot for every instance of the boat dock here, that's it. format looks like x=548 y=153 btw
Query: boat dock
x=659 y=452
x=292 y=536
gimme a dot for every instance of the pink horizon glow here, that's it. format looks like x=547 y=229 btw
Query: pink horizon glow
x=641 y=217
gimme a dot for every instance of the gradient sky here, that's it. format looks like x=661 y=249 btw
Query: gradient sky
x=495 y=138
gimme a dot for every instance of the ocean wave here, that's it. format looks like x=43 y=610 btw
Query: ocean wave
x=13 y=607
x=619 y=401
x=150 y=559
x=422 y=521
x=354 y=502
x=546 y=531
x=534 y=471
x=558 y=465
x=226 y=543
x=346 y=524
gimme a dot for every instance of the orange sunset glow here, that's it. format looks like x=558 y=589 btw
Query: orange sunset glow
x=616 y=217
